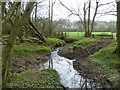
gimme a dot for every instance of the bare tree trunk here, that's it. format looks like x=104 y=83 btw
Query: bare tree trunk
x=20 y=34
x=36 y=11
x=35 y=30
x=51 y=21
x=51 y=4
x=8 y=49
x=118 y=27
x=32 y=17
x=85 y=25
x=36 y=15
x=89 y=33
x=49 y=17
x=92 y=24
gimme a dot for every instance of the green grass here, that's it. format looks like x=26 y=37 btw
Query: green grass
x=5 y=36
x=33 y=38
x=78 y=35
x=48 y=78
x=75 y=35
x=27 y=49
x=30 y=39
x=54 y=42
x=108 y=61
x=82 y=43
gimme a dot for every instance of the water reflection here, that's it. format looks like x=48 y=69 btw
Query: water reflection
x=69 y=77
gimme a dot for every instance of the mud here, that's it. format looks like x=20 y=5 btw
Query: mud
x=32 y=62
x=83 y=64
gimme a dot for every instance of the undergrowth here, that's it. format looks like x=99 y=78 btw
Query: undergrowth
x=47 y=78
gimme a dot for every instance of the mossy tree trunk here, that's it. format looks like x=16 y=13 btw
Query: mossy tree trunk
x=20 y=34
x=8 y=49
x=35 y=31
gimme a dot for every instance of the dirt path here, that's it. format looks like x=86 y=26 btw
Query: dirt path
x=83 y=64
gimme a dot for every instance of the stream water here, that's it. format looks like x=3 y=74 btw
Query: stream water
x=69 y=77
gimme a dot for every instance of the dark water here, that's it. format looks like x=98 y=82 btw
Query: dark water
x=69 y=77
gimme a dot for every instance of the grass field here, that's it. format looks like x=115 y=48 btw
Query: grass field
x=78 y=35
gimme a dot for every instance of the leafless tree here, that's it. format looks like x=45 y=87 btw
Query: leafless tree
x=51 y=4
x=87 y=21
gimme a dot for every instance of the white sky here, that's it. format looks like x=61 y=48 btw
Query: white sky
x=61 y=12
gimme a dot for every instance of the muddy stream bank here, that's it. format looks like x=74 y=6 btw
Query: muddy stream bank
x=69 y=77
x=84 y=66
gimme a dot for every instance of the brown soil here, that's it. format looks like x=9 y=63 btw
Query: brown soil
x=32 y=62
x=83 y=64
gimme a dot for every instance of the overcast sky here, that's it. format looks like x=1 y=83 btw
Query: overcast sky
x=61 y=12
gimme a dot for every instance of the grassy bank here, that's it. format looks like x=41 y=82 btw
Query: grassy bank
x=82 y=43
x=108 y=62
x=32 y=45
x=48 y=78
x=25 y=49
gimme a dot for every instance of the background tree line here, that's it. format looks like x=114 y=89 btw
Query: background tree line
x=76 y=26
x=64 y=25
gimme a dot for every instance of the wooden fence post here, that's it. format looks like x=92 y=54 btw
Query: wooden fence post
x=65 y=34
